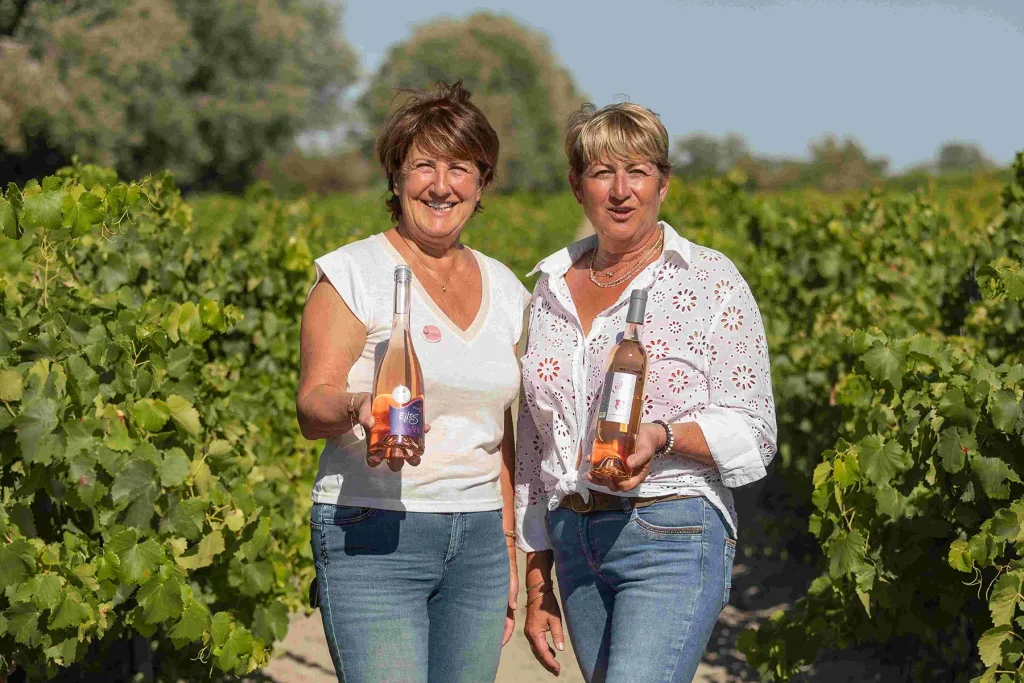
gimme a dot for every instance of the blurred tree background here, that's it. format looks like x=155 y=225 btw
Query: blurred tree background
x=515 y=79
x=205 y=89
x=224 y=92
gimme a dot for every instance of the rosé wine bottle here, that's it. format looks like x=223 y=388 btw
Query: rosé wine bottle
x=618 y=419
x=398 y=385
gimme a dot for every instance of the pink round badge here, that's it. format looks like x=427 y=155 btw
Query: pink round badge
x=431 y=334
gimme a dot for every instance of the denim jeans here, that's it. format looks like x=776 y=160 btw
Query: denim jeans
x=411 y=597
x=641 y=589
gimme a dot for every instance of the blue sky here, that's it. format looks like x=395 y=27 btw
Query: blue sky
x=902 y=76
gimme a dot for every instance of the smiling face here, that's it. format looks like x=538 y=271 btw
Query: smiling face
x=437 y=195
x=621 y=198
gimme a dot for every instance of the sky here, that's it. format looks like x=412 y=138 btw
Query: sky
x=901 y=76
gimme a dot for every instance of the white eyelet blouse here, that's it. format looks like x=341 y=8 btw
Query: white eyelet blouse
x=708 y=364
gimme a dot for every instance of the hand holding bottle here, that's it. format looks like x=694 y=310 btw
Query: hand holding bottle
x=649 y=438
x=362 y=404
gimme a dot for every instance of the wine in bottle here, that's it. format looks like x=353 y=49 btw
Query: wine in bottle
x=621 y=407
x=398 y=385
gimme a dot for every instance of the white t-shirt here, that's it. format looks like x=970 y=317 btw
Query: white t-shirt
x=470 y=379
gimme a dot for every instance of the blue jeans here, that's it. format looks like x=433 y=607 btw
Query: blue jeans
x=642 y=588
x=411 y=597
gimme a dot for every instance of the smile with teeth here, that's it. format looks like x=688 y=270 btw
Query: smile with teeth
x=443 y=207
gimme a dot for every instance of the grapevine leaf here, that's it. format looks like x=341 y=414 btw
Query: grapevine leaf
x=9 y=225
x=139 y=561
x=11 y=388
x=23 y=624
x=883 y=363
x=959 y=556
x=185 y=517
x=821 y=473
x=952 y=406
x=195 y=619
x=43 y=209
x=118 y=439
x=174 y=468
x=150 y=415
x=160 y=599
x=184 y=413
x=251 y=578
x=990 y=645
x=1005 y=595
x=15 y=559
x=235 y=520
x=992 y=473
x=236 y=649
x=1005 y=525
x=846 y=553
x=38 y=417
x=65 y=652
x=271 y=623
x=44 y=590
x=220 y=627
x=71 y=613
x=208 y=548
x=1005 y=410
x=951 y=450
x=86 y=212
x=880 y=460
x=132 y=481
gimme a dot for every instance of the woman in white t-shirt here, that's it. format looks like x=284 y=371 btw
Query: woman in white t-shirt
x=416 y=571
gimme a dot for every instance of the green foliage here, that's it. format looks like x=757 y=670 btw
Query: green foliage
x=515 y=80
x=204 y=89
x=149 y=486
x=919 y=505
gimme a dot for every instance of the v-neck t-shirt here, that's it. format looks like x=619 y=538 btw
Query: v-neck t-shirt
x=470 y=379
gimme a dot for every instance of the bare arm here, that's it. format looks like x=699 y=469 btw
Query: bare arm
x=508 y=514
x=330 y=343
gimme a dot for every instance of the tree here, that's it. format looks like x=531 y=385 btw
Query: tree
x=961 y=156
x=838 y=165
x=205 y=89
x=701 y=155
x=515 y=80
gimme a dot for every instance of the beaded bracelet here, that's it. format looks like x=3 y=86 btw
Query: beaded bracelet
x=670 y=438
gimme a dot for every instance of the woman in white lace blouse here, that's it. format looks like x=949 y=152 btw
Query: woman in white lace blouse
x=644 y=564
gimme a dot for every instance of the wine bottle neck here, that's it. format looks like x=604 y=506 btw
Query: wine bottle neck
x=403 y=290
x=633 y=331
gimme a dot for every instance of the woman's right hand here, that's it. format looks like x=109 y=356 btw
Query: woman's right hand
x=543 y=616
x=362 y=407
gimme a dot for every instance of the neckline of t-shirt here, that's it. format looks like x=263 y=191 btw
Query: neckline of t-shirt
x=471 y=332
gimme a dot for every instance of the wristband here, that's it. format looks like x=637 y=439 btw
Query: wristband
x=353 y=416
x=670 y=438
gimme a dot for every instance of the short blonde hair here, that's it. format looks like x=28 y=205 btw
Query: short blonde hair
x=622 y=131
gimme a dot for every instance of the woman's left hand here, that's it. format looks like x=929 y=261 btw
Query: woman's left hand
x=513 y=596
x=649 y=438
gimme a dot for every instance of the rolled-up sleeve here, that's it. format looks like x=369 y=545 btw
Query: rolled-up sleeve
x=739 y=420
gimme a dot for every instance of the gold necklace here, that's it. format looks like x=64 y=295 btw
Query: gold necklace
x=647 y=253
x=444 y=286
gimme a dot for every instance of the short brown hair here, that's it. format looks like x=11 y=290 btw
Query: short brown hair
x=443 y=122
x=623 y=131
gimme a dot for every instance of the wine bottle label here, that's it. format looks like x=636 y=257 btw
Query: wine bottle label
x=401 y=394
x=617 y=397
x=407 y=420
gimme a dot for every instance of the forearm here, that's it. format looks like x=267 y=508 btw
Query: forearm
x=690 y=443
x=506 y=479
x=323 y=412
x=538 y=571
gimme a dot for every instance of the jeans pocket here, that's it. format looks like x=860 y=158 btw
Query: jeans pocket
x=346 y=515
x=673 y=520
x=730 y=557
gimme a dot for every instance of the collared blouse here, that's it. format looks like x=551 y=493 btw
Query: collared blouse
x=708 y=363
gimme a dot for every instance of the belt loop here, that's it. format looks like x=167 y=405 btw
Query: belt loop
x=627 y=504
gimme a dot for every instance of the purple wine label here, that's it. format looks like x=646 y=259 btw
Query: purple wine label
x=407 y=420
